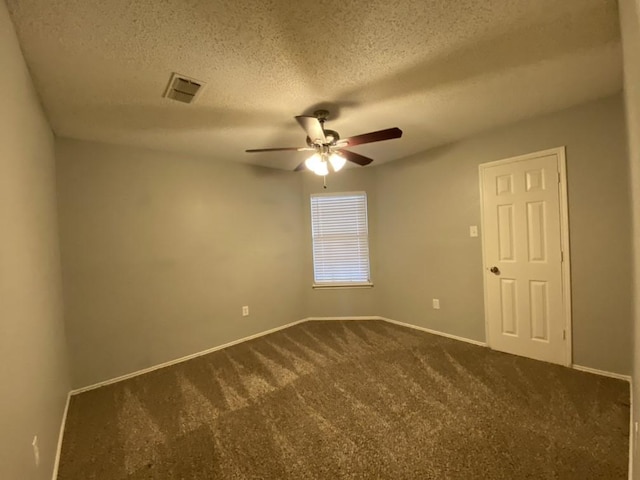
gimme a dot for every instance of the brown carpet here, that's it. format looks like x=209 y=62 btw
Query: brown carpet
x=357 y=400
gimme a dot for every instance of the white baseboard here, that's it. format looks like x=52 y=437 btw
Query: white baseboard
x=56 y=463
x=626 y=378
x=604 y=373
x=435 y=332
x=181 y=359
x=257 y=335
x=409 y=325
x=362 y=317
x=631 y=432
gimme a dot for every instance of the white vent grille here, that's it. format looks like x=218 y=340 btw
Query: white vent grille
x=184 y=89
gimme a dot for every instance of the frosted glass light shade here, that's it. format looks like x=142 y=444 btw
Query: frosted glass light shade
x=317 y=164
x=337 y=161
x=313 y=161
x=322 y=168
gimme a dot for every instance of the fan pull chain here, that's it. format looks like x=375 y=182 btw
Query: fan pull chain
x=324 y=181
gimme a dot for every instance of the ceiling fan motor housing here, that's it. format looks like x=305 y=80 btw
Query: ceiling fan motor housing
x=331 y=136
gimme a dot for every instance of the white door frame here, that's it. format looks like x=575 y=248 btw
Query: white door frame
x=564 y=241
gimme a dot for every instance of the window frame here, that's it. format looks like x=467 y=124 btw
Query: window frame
x=340 y=284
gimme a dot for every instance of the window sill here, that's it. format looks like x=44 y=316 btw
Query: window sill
x=328 y=286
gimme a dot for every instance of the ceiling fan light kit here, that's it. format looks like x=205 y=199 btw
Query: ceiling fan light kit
x=319 y=163
x=337 y=161
x=329 y=148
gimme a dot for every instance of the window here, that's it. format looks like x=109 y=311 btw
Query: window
x=340 y=239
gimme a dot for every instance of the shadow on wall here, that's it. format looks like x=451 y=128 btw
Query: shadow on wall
x=524 y=45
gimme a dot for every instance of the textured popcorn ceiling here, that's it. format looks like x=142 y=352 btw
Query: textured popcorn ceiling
x=439 y=69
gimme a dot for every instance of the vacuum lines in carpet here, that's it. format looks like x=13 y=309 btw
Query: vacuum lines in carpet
x=351 y=400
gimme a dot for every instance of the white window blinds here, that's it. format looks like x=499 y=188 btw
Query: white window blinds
x=340 y=239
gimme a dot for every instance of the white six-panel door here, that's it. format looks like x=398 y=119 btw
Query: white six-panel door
x=526 y=305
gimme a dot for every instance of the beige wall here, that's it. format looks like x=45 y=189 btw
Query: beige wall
x=33 y=364
x=630 y=27
x=339 y=302
x=427 y=203
x=160 y=252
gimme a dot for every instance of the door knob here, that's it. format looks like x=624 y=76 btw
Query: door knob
x=495 y=270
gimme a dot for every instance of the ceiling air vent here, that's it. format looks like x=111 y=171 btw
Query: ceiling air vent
x=183 y=88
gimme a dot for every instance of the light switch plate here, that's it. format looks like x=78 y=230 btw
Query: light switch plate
x=473 y=231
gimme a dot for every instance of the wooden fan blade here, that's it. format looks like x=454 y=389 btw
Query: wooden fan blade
x=356 y=157
x=313 y=127
x=300 y=167
x=378 y=136
x=282 y=149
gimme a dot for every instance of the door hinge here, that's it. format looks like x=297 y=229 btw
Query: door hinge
x=564 y=334
x=561 y=256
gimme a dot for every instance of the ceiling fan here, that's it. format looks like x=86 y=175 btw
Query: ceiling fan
x=329 y=149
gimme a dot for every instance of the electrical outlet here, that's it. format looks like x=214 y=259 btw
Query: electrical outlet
x=436 y=304
x=36 y=451
x=245 y=311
